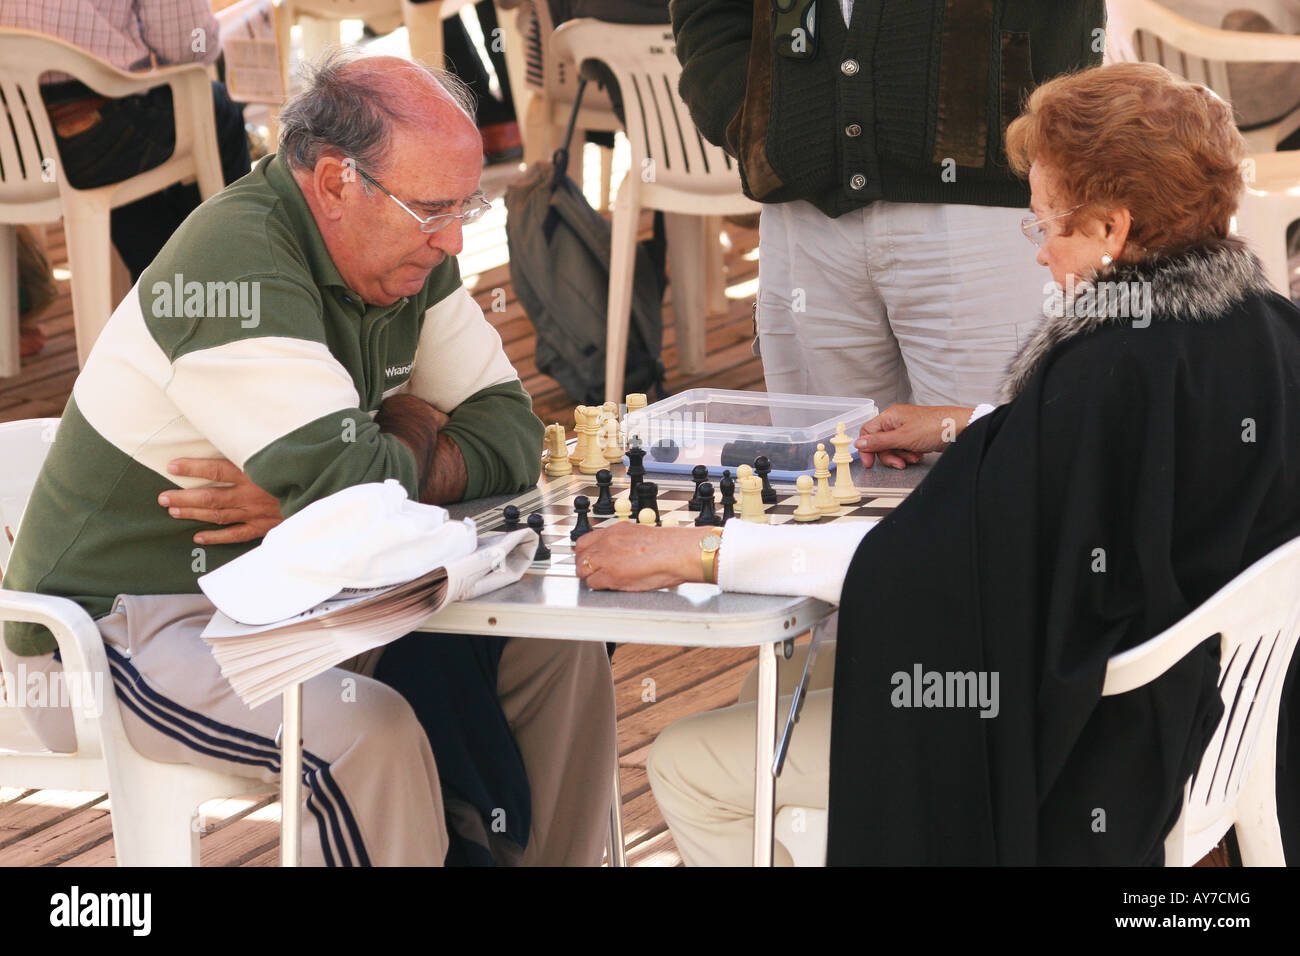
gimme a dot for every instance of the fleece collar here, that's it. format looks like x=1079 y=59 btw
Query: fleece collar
x=1197 y=285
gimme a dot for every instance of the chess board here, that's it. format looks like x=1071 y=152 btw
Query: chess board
x=555 y=503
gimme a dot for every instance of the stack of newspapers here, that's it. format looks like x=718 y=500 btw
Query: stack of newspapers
x=262 y=660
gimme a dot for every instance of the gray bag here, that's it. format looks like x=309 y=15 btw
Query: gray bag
x=559 y=265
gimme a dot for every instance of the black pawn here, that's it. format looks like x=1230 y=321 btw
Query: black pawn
x=701 y=475
x=511 y=516
x=604 y=501
x=762 y=468
x=649 y=499
x=728 y=488
x=580 y=506
x=537 y=522
x=707 y=515
x=635 y=466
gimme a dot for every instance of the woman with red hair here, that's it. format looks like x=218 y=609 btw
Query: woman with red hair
x=1147 y=451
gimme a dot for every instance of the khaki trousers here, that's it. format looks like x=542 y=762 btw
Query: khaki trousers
x=371 y=787
x=701 y=769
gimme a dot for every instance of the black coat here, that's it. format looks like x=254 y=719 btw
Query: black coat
x=1136 y=469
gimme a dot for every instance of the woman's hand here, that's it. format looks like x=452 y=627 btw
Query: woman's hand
x=902 y=434
x=625 y=556
x=248 y=510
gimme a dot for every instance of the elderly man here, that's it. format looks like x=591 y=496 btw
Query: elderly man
x=309 y=325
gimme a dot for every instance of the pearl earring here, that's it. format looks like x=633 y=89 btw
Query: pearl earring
x=1106 y=259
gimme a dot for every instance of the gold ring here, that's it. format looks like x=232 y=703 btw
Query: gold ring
x=586 y=562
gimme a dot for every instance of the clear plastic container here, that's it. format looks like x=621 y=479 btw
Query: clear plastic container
x=721 y=428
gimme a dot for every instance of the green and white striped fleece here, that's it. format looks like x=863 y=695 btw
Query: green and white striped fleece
x=289 y=398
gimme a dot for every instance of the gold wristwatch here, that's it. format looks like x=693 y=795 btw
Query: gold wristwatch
x=709 y=546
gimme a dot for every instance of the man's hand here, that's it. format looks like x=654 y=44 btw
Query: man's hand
x=902 y=434
x=417 y=424
x=634 y=557
x=247 y=510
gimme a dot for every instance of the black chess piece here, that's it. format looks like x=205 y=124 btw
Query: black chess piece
x=635 y=466
x=537 y=523
x=707 y=515
x=762 y=468
x=728 y=488
x=510 y=516
x=649 y=498
x=604 y=501
x=700 y=474
x=665 y=450
x=581 y=504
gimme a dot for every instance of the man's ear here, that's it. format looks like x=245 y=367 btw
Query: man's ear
x=332 y=178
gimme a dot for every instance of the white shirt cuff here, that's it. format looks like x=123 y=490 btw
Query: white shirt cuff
x=979 y=412
x=803 y=561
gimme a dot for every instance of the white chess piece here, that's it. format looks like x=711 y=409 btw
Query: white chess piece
x=824 y=500
x=580 y=446
x=622 y=509
x=843 y=492
x=751 y=495
x=646 y=516
x=594 y=456
x=557 y=464
x=806 y=511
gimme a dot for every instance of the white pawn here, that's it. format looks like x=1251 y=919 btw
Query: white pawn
x=824 y=500
x=622 y=509
x=557 y=464
x=647 y=516
x=806 y=511
x=843 y=491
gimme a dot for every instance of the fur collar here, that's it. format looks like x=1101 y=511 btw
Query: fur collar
x=1197 y=285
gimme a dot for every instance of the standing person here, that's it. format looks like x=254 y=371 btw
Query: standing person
x=888 y=265
x=104 y=141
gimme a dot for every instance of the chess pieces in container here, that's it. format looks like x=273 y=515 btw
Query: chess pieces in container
x=510 y=518
x=762 y=468
x=844 y=492
x=806 y=511
x=604 y=505
x=700 y=475
x=823 y=499
x=622 y=510
x=581 y=505
x=557 y=456
x=537 y=523
x=707 y=516
x=665 y=450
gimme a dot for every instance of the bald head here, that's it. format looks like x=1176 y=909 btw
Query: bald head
x=354 y=106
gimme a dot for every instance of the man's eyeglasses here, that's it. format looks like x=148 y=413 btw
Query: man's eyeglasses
x=1033 y=228
x=475 y=207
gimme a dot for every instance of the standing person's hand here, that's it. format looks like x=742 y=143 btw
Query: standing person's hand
x=902 y=434
x=246 y=510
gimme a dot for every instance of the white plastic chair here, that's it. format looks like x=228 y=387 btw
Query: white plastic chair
x=551 y=79
x=1269 y=204
x=673 y=169
x=154 y=805
x=33 y=189
x=1144 y=30
x=1257 y=614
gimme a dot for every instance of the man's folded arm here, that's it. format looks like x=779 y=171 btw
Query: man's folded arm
x=713 y=39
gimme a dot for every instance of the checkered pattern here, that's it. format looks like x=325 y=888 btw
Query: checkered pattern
x=555 y=504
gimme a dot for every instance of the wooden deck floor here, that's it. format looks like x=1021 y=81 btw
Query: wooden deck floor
x=47 y=828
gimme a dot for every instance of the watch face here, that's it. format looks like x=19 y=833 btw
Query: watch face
x=712 y=542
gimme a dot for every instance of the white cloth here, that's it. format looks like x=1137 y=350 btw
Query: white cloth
x=808 y=561
x=895 y=302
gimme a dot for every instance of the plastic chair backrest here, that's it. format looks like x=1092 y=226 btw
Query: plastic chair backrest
x=1137 y=33
x=345 y=9
x=1257 y=616
x=23 y=447
x=28 y=154
x=667 y=149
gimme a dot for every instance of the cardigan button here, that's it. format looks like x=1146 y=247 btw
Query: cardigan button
x=849 y=67
x=853 y=130
x=857 y=181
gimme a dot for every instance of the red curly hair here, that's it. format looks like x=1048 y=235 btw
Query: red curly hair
x=1133 y=135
